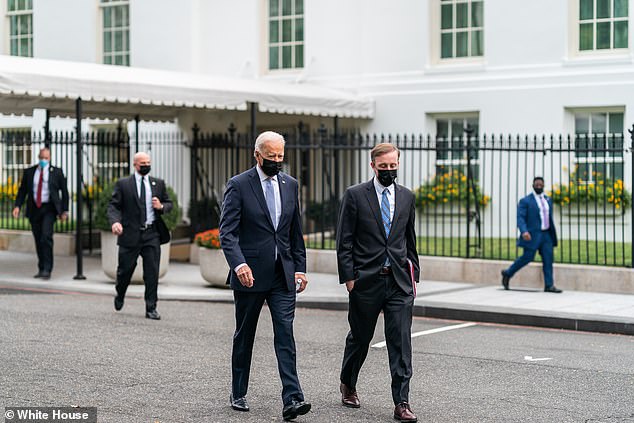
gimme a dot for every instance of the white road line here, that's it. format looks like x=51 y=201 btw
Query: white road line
x=431 y=331
x=530 y=358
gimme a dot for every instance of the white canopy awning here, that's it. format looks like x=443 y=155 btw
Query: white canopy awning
x=123 y=92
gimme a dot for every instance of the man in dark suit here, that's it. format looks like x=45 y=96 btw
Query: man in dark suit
x=44 y=188
x=134 y=212
x=261 y=236
x=537 y=233
x=378 y=262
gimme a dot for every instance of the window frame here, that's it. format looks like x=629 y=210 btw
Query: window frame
x=451 y=162
x=109 y=32
x=25 y=145
x=280 y=44
x=21 y=38
x=588 y=158
x=436 y=34
x=575 y=32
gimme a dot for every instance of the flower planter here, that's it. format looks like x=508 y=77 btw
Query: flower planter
x=110 y=258
x=453 y=210
x=213 y=267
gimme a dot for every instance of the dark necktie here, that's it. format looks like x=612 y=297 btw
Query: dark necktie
x=38 y=198
x=143 y=205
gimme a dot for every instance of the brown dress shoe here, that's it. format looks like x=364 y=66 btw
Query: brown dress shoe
x=403 y=413
x=349 y=397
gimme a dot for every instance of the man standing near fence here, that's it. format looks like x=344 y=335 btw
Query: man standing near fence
x=537 y=233
x=378 y=262
x=134 y=212
x=261 y=236
x=44 y=188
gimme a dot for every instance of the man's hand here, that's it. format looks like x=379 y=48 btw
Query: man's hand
x=526 y=236
x=156 y=203
x=245 y=276
x=117 y=228
x=304 y=281
x=350 y=285
x=16 y=212
x=63 y=216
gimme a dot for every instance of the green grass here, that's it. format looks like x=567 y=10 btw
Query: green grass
x=569 y=251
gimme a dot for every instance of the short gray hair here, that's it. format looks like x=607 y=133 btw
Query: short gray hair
x=267 y=136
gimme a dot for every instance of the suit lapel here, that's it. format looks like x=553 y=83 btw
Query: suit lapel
x=134 y=191
x=284 y=195
x=398 y=206
x=256 y=186
x=373 y=201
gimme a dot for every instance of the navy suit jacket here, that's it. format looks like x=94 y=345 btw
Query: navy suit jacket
x=529 y=220
x=247 y=234
x=56 y=186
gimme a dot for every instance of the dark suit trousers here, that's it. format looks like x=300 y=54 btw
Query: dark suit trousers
x=42 y=222
x=281 y=303
x=149 y=248
x=366 y=303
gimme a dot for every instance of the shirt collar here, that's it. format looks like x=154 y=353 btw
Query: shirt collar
x=380 y=188
x=263 y=176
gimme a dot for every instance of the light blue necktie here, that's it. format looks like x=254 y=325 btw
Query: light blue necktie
x=385 y=215
x=270 y=200
x=385 y=212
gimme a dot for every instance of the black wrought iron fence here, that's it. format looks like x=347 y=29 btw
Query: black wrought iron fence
x=467 y=188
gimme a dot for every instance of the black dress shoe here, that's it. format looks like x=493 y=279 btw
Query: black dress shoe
x=239 y=404
x=294 y=409
x=505 y=281
x=152 y=315
x=118 y=302
x=45 y=275
x=553 y=289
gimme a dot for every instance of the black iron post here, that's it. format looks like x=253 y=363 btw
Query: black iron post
x=47 y=130
x=253 y=121
x=78 y=194
x=136 y=133
x=232 y=140
x=631 y=131
x=468 y=131
x=194 y=162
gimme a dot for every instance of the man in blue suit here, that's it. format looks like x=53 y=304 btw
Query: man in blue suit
x=261 y=236
x=537 y=233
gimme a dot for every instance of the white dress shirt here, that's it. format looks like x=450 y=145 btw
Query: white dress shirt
x=379 y=194
x=46 y=195
x=149 y=210
x=542 y=205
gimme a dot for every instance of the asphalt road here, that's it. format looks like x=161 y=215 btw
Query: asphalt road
x=73 y=349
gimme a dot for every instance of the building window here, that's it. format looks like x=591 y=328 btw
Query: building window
x=116 y=32
x=461 y=28
x=598 y=146
x=286 y=34
x=20 y=14
x=603 y=24
x=17 y=152
x=451 y=144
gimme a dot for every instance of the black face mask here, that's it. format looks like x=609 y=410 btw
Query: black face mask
x=538 y=191
x=387 y=176
x=144 y=169
x=270 y=167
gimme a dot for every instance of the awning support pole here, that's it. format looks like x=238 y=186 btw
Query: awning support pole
x=78 y=190
x=136 y=133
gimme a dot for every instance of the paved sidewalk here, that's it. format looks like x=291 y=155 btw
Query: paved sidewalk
x=573 y=310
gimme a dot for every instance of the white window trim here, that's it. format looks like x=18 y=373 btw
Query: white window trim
x=265 y=70
x=434 y=117
x=434 y=38
x=10 y=149
x=100 y=37
x=573 y=37
x=7 y=41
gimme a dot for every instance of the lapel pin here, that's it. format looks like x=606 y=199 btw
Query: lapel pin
x=153 y=183
x=283 y=181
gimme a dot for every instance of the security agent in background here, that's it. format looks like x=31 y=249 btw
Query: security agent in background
x=44 y=188
x=134 y=212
